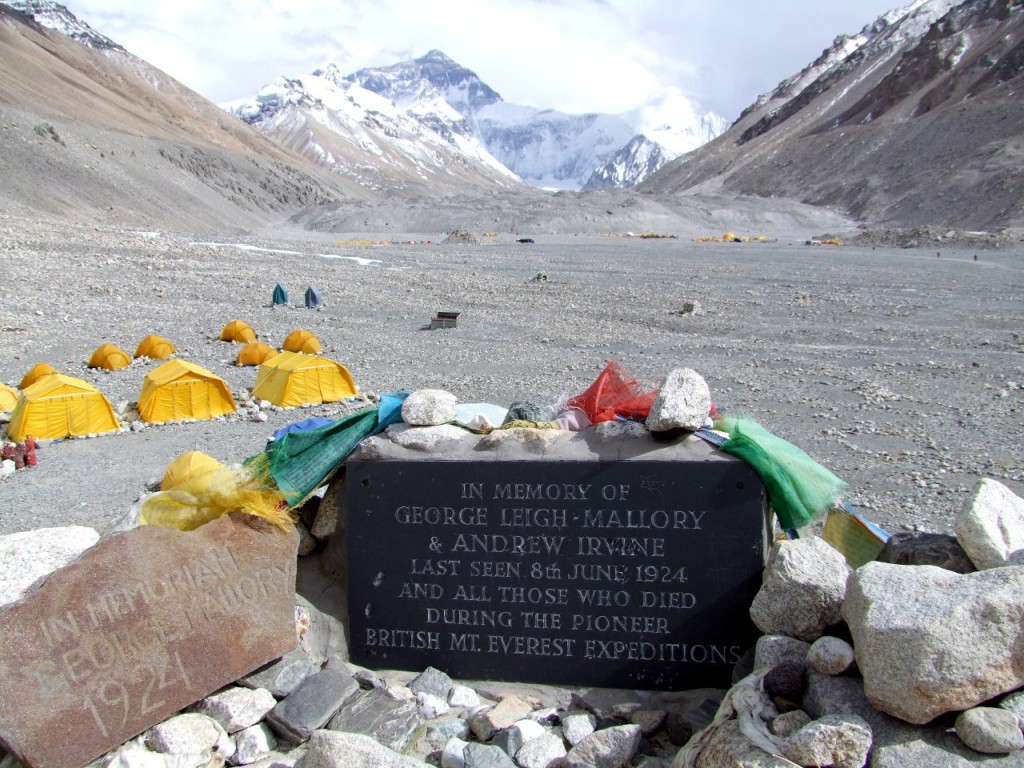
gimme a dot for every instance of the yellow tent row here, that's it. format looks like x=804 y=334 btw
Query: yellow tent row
x=292 y=379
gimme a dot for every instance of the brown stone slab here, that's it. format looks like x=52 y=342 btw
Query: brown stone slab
x=147 y=622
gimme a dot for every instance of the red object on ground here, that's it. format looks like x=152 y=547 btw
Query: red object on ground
x=30 y=452
x=614 y=394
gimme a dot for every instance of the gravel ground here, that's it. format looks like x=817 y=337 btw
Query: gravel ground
x=899 y=369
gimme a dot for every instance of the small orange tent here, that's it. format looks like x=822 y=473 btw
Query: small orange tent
x=302 y=340
x=35 y=374
x=155 y=348
x=238 y=330
x=8 y=398
x=182 y=390
x=109 y=356
x=292 y=379
x=60 y=406
x=255 y=353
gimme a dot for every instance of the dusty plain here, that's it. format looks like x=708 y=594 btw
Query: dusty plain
x=899 y=369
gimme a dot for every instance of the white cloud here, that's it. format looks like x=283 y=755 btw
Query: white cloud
x=571 y=55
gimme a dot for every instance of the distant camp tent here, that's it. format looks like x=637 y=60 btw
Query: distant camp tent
x=238 y=330
x=280 y=295
x=59 y=406
x=313 y=298
x=301 y=340
x=110 y=357
x=292 y=379
x=8 y=398
x=182 y=390
x=255 y=353
x=35 y=374
x=155 y=348
x=187 y=466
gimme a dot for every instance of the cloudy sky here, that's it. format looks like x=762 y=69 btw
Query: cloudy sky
x=571 y=55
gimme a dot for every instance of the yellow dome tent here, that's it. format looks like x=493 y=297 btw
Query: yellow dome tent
x=183 y=390
x=292 y=379
x=255 y=353
x=35 y=374
x=186 y=467
x=60 y=406
x=238 y=330
x=155 y=348
x=302 y=341
x=8 y=398
x=109 y=356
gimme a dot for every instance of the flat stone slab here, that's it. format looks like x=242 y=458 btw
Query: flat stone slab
x=147 y=622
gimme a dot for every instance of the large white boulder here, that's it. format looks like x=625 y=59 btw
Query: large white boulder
x=990 y=526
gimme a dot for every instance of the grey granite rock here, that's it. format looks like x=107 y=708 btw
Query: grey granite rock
x=774 y=649
x=1014 y=702
x=281 y=676
x=333 y=749
x=683 y=402
x=841 y=741
x=501 y=715
x=789 y=723
x=990 y=730
x=576 y=726
x=428 y=407
x=252 y=744
x=375 y=714
x=237 y=708
x=729 y=748
x=990 y=525
x=831 y=655
x=802 y=589
x=189 y=733
x=427 y=439
x=608 y=748
x=432 y=681
x=486 y=756
x=913 y=666
x=543 y=752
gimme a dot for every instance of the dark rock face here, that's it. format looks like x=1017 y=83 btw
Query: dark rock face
x=938 y=549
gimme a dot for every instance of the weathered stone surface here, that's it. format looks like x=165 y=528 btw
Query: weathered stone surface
x=913 y=666
x=917 y=548
x=608 y=748
x=432 y=681
x=430 y=706
x=729 y=748
x=785 y=680
x=649 y=720
x=896 y=743
x=190 y=733
x=789 y=723
x=310 y=706
x=252 y=744
x=453 y=754
x=428 y=408
x=281 y=676
x=841 y=741
x=27 y=557
x=831 y=655
x=147 y=622
x=486 y=756
x=307 y=543
x=682 y=402
x=238 y=708
x=542 y=752
x=990 y=525
x=775 y=649
x=375 y=714
x=463 y=696
x=501 y=715
x=1014 y=703
x=426 y=439
x=576 y=726
x=333 y=749
x=802 y=590
x=990 y=730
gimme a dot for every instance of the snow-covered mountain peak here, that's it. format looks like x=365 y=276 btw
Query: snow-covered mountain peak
x=55 y=16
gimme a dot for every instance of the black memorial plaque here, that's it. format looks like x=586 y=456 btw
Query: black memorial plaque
x=615 y=574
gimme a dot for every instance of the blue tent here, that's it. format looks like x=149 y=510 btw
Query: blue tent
x=313 y=299
x=280 y=295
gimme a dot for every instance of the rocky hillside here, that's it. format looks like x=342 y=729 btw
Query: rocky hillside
x=914 y=121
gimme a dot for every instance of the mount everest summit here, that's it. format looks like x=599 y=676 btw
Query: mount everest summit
x=544 y=148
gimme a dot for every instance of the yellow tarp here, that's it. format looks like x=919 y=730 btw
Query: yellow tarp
x=59 y=406
x=238 y=330
x=109 y=356
x=255 y=353
x=186 y=467
x=182 y=390
x=292 y=379
x=302 y=340
x=35 y=374
x=155 y=348
x=8 y=398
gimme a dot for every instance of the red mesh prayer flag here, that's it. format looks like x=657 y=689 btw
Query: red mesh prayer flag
x=613 y=394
